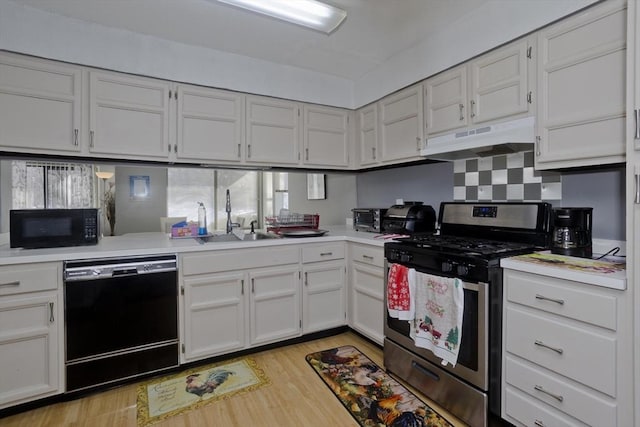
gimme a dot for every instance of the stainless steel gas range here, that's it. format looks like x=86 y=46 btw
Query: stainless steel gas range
x=473 y=238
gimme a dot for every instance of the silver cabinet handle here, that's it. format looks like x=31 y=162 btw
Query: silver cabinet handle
x=306 y=278
x=326 y=253
x=541 y=344
x=239 y=155
x=253 y=286
x=367 y=257
x=16 y=283
x=91 y=139
x=75 y=137
x=538 y=138
x=461 y=106
x=249 y=150
x=539 y=388
x=538 y=423
x=637 y=200
x=175 y=148
x=472 y=108
x=373 y=151
x=169 y=148
x=542 y=297
x=637 y=114
x=51 y=317
x=242 y=287
x=306 y=154
x=529 y=97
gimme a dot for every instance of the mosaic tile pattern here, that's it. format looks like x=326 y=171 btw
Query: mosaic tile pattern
x=504 y=178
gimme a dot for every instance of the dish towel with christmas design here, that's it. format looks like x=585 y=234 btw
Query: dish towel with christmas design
x=400 y=287
x=439 y=303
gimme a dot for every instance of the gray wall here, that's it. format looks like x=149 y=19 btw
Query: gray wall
x=335 y=209
x=136 y=216
x=604 y=190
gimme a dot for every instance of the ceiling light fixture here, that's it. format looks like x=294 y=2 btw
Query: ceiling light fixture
x=308 y=13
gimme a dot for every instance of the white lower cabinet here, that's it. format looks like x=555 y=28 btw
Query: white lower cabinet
x=366 y=276
x=235 y=299
x=562 y=352
x=323 y=290
x=31 y=319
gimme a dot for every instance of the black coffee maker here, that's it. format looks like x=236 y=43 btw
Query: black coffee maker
x=572 y=232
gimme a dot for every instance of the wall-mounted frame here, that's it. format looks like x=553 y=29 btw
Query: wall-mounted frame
x=316 y=189
x=138 y=187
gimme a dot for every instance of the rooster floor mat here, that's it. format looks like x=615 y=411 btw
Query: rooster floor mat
x=371 y=396
x=161 y=398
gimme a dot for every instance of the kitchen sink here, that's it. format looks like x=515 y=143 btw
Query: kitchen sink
x=219 y=238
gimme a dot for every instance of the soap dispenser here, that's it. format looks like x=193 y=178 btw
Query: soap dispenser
x=202 y=219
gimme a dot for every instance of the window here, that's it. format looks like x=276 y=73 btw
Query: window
x=51 y=185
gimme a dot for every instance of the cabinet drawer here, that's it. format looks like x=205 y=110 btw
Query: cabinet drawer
x=570 y=399
x=215 y=261
x=577 y=353
x=16 y=279
x=527 y=411
x=372 y=255
x=322 y=252
x=561 y=297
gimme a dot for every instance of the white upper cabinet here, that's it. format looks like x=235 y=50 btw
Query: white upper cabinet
x=40 y=106
x=128 y=116
x=210 y=124
x=401 y=125
x=581 y=80
x=273 y=131
x=367 y=135
x=493 y=87
x=446 y=100
x=326 y=136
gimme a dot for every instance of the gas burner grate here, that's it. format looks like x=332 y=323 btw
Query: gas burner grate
x=464 y=245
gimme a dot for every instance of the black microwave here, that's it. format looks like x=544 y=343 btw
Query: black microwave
x=51 y=228
x=368 y=219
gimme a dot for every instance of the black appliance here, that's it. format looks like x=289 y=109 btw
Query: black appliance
x=368 y=219
x=473 y=238
x=121 y=319
x=50 y=228
x=408 y=218
x=572 y=232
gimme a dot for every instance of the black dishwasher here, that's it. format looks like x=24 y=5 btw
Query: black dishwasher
x=121 y=319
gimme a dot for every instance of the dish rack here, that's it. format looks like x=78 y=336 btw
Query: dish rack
x=292 y=221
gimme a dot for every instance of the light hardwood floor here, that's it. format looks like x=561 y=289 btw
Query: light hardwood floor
x=296 y=397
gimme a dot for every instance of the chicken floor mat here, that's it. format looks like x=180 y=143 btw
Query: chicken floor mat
x=371 y=396
x=168 y=396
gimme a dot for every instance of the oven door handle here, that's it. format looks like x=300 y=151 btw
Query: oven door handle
x=418 y=367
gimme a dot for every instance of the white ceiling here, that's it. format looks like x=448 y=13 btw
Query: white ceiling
x=374 y=31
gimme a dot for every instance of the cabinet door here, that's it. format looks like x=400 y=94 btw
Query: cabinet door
x=275 y=304
x=326 y=136
x=128 y=116
x=214 y=317
x=210 y=124
x=446 y=98
x=273 y=131
x=581 y=85
x=367 y=125
x=323 y=296
x=367 y=288
x=401 y=118
x=29 y=352
x=39 y=106
x=499 y=83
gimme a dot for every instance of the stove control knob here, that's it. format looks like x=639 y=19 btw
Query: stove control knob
x=446 y=266
x=462 y=270
x=404 y=257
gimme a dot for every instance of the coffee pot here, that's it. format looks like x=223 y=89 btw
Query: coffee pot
x=572 y=232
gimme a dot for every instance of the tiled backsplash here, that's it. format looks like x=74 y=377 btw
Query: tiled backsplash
x=509 y=177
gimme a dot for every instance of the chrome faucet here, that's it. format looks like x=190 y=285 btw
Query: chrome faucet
x=228 y=209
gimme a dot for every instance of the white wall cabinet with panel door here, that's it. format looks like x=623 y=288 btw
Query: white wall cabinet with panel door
x=493 y=87
x=323 y=287
x=272 y=131
x=633 y=189
x=400 y=118
x=366 y=279
x=40 y=106
x=581 y=82
x=31 y=337
x=326 y=136
x=367 y=135
x=128 y=116
x=210 y=125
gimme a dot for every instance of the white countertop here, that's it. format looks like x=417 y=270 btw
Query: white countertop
x=606 y=272
x=135 y=244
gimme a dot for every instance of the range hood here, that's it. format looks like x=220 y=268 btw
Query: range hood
x=492 y=140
